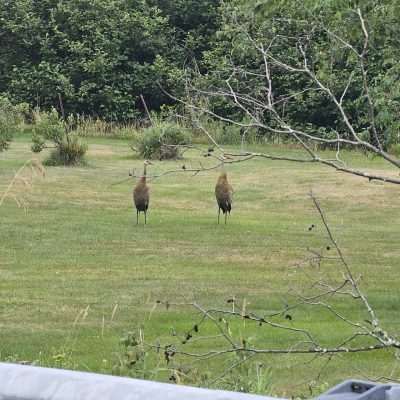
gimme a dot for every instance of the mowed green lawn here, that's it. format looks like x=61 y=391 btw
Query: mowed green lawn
x=76 y=272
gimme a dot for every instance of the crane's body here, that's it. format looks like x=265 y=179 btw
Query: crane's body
x=141 y=195
x=223 y=194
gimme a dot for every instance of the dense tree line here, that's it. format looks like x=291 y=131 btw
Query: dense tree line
x=100 y=55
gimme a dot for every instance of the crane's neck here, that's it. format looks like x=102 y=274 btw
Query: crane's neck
x=144 y=171
x=223 y=177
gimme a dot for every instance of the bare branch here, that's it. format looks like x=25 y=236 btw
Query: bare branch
x=266 y=111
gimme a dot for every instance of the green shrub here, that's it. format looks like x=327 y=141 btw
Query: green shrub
x=162 y=141
x=11 y=118
x=68 y=150
x=47 y=126
x=226 y=134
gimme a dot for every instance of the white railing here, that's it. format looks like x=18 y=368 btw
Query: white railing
x=23 y=382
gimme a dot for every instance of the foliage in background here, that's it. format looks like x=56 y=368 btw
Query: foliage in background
x=195 y=23
x=227 y=134
x=11 y=119
x=86 y=126
x=162 y=141
x=67 y=148
x=100 y=55
x=287 y=24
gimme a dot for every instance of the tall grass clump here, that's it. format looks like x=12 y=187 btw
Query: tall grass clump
x=66 y=147
x=87 y=126
x=162 y=141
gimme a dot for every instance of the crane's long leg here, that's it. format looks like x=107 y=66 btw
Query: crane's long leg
x=145 y=217
x=226 y=214
x=137 y=217
x=219 y=212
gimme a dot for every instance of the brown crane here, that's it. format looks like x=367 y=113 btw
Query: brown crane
x=223 y=194
x=141 y=195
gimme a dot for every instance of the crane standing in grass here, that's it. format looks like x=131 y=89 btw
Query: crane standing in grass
x=141 y=195
x=223 y=194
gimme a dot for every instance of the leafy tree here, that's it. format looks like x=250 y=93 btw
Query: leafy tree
x=319 y=26
x=100 y=55
x=195 y=24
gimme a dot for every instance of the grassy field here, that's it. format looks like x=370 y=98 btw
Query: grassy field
x=76 y=273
